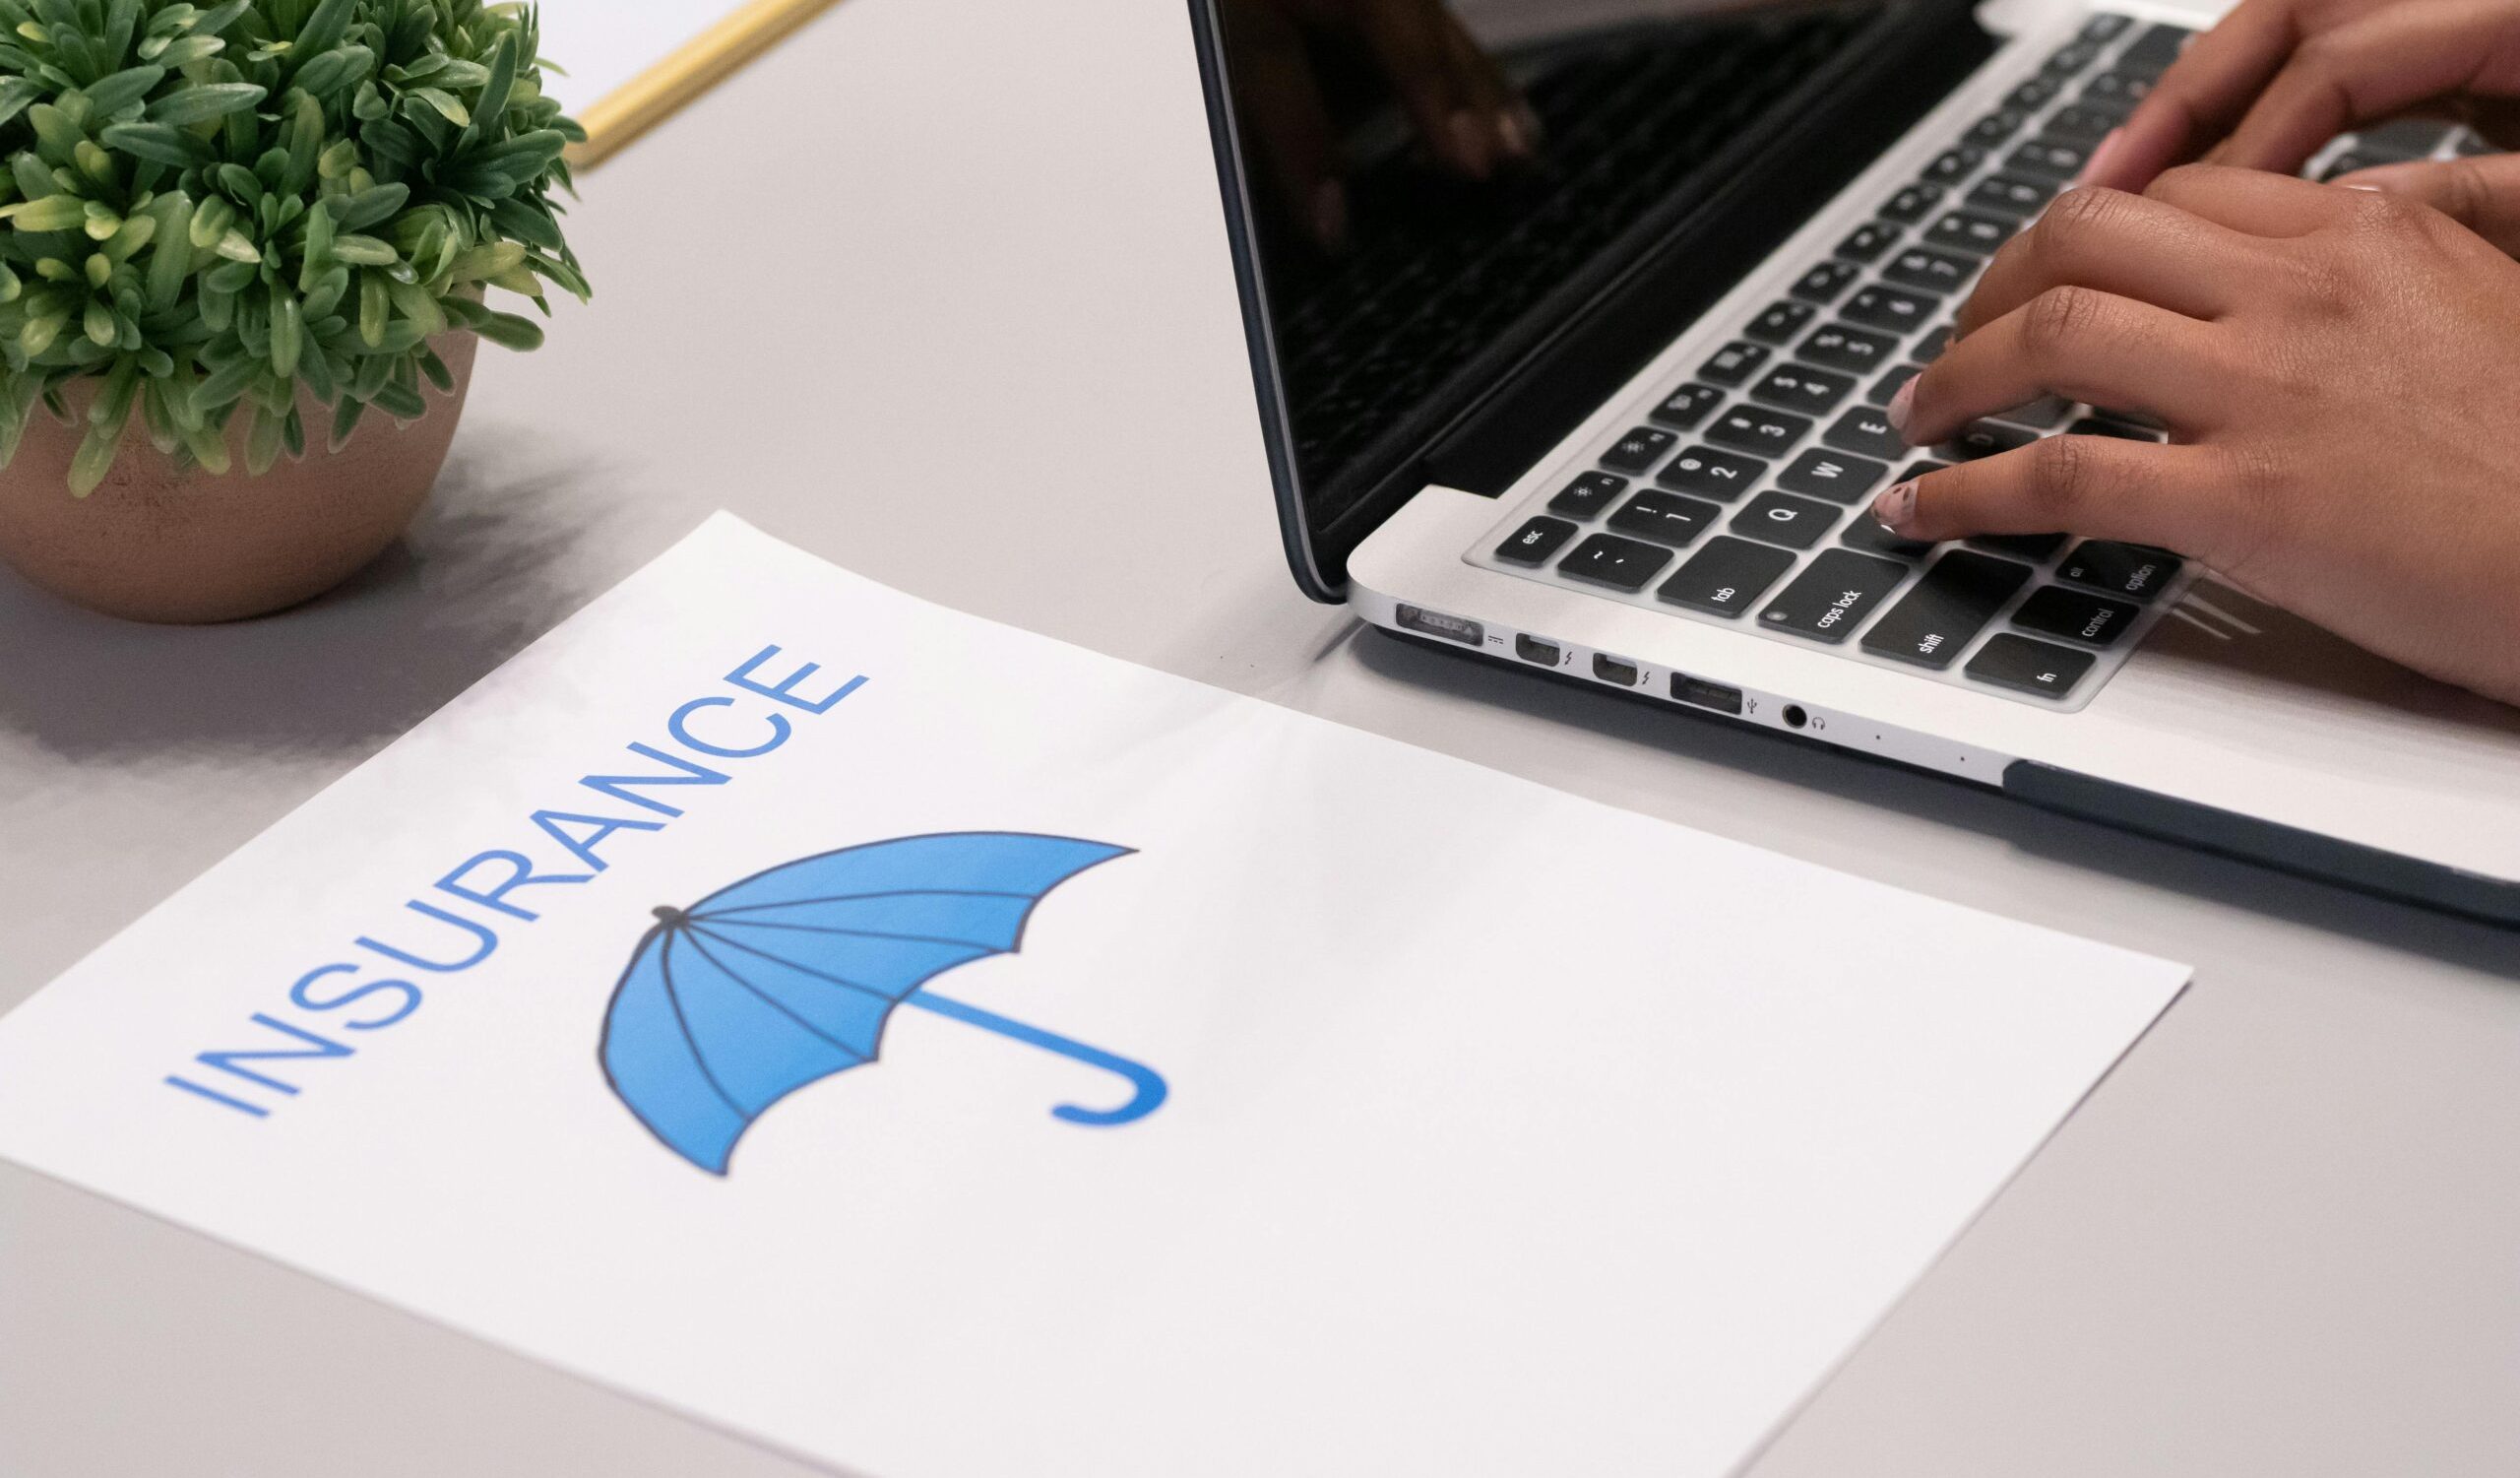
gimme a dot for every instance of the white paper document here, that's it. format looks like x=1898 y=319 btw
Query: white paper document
x=945 y=1053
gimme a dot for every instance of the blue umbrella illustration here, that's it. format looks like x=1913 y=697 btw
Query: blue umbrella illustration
x=790 y=976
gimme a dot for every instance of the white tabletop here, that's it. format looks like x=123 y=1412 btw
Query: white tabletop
x=940 y=290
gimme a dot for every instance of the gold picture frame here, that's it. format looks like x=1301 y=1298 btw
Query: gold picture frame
x=707 y=59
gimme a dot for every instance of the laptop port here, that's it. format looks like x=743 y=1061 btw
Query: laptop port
x=1448 y=628
x=1794 y=717
x=1540 y=652
x=1700 y=693
x=1612 y=670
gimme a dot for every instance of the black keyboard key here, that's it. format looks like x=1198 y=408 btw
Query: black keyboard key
x=2120 y=569
x=1972 y=232
x=1953 y=165
x=2094 y=427
x=1588 y=494
x=1886 y=389
x=1995 y=127
x=1833 y=595
x=1795 y=523
x=1665 y=518
x=1717 y=474
x=2076 y=615
x=1832 y=475
x=1638 y=450
x=2151 y=53
x=1619 y=564
x=2070 y=58
x=1727 y=577
x=1686 y=407
x=2103 y=28
x=2013 y=194
x=2029 y=667
x=1535 y=542
x=1929 y=347
x=2045 y=413
x=1869 y=431
x=1825 y=282
x=2047 y=158
x=1889 y=309
x=1780 y=322
x=2034 y=95
x=1867 y=242
x=2350 y=162
x=1862 y=533
x=1931 y=271
x=2117 y=88
x=1735 y=362
x=2403 y=138
x=2084 y=122
x=1752 y=429
x=1986 y=438
x=1859 y=350
x=1798 y=387
x=2034 y=547
x=1912 y=204
x=1937 y=619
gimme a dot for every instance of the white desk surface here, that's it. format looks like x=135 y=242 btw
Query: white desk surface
x=940 y=290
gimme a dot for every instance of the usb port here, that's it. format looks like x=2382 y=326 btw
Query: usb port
x=1532 y=649
x=1704 y=694
x=1449 y=627
x=1613 y=670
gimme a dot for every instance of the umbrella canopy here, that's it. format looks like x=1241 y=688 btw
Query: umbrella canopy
x=790 y=975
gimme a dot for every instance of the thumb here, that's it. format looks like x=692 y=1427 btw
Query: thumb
x=2482 y=194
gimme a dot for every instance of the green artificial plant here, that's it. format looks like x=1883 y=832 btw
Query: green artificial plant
x=209 y=207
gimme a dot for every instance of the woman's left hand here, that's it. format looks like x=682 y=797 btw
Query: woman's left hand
x=2339 y=373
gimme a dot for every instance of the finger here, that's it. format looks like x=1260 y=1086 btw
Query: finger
x=2480 y=194
x=2120 y=243
x=2072 y=342
x=1500 y=106
x=1298 y=148
x=2252 y=201
x=2373 y=67
x=2200 y=97
x=2178 y=498
x=1409 y=43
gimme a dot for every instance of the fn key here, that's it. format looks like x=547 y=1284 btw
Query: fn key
x=2039 y=668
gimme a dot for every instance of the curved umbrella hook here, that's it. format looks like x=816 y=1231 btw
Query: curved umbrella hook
x=1150 y=1085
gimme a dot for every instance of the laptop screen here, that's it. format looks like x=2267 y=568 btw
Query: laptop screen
x=1420 y=191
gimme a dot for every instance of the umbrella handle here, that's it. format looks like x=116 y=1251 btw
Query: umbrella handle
x=1151 y=1089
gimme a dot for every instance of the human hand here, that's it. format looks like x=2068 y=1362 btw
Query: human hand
x=2334 y=367
x=1458 y=100
x=2277 y=78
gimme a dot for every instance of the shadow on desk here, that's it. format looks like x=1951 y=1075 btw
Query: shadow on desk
x=344 y=673
x=1951 y=802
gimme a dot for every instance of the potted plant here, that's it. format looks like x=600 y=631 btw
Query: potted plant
x=243 y=256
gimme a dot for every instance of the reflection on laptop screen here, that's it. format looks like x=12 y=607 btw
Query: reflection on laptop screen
x=1430 y=190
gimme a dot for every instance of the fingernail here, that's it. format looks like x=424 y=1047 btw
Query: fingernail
x=1469 y=145
x=1902 y=406
x=2375 y=189
x=1509 y=132
x=1330 y=214
x=2099 y=160
x=1894 y=508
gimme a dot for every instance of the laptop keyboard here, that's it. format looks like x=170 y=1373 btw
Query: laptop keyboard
x=1441 y=268
x=1738 y=496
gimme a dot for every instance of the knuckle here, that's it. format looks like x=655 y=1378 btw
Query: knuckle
x=2064 y=474
x=2058 y=319
x=2078 y=213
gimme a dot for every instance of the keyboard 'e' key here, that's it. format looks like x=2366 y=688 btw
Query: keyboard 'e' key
x=1867 y=431
x=1536 y=541
x=2039 y=667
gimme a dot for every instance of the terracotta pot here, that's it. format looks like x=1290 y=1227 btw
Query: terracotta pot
x=156 y=545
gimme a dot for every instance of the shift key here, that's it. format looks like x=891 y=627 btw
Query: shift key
x=1933 y=622
x=1833 y=595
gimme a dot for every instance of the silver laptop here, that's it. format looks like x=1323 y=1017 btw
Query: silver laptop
x=1613 y=413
